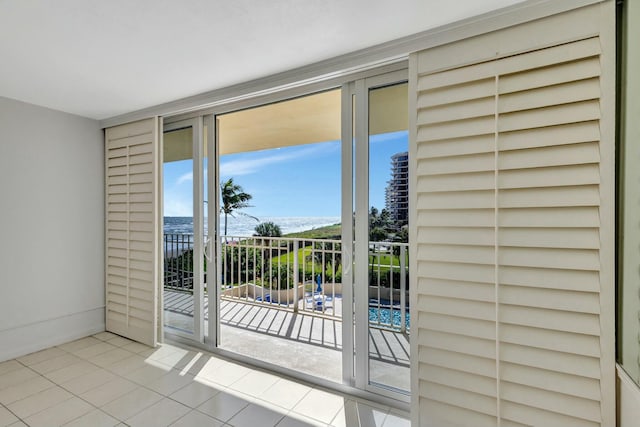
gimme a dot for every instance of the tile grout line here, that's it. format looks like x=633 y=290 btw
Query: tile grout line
x=41 y=391
x=14 y=414
x=60 y=385
x=249 y=398
x=73 y=394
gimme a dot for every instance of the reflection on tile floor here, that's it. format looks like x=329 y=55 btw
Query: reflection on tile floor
x=106 y=380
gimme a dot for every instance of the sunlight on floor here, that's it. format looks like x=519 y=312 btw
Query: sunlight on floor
x=107 y=380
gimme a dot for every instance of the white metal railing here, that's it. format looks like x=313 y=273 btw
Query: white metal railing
x=300 y=275
x=178 y=261
x=289 y=273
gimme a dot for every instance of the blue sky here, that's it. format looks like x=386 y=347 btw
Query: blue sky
x=297 y=181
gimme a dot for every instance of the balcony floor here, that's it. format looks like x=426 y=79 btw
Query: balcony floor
x=302 y=341
x=107 y=380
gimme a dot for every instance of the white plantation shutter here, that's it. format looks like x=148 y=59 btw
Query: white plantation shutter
x=510 y=283
x=132 y=267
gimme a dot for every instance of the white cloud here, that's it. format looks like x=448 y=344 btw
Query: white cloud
x=390 y=136
x=249 y=166
x=173 y=206
x=187 y=177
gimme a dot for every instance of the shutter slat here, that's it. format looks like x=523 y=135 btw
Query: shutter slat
x=567 y=405
x=549 y=360
x=559 y=299
x=457 y=253
x=563 y=217
x=581 y=90
x=558 y=382
x=575 y=280
x=475 y=291
x=457 y=217
x=560 y=155
x=550 y=116
x=557 y=341
x=429 y=148
x=550 y=258
x=558 y=176
x=458 y=164
x=452 y=323
x=548 y=318
x=551 y=75
x=467 y=109
x=461 y=362
x=550 y=136
x=539 y=59
x=459 y=397
x=449 y=415
x=458 y=93
x=457 y=236
x=550 y=197
x=457 y=128
x=570 y=238
x=459 y=199
x=468 y=308
x=523 y=413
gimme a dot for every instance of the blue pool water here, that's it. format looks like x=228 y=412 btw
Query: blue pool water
x=383 y=315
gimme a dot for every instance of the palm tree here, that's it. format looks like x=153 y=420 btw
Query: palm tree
x=233 y=199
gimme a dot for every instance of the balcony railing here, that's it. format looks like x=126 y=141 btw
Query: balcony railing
x=178 y=261
x=299 y=275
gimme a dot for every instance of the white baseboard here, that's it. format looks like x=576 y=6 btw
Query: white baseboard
x=26 y=339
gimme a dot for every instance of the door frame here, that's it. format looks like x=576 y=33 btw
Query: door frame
x=212 y=244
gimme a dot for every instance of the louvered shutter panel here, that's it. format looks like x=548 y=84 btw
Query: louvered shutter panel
x=548 y=235
x=455 y=184
x=508 y=198
x=132 y=230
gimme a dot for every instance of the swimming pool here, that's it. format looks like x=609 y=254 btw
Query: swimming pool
x=383 y=316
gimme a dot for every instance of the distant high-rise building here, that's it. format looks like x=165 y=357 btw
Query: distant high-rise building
x=397 y=194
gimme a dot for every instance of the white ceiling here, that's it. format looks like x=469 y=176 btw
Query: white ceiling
x=101 y=58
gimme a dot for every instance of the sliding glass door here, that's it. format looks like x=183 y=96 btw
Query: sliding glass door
x=381 y=256
x=286 y=233
x=183 y=228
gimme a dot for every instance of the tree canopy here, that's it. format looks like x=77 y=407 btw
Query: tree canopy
x=267 y=229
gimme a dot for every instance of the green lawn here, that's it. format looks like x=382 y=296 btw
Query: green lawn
x=384 y=261
x=328 y=232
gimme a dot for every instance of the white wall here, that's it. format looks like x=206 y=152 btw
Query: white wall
x=51 y=227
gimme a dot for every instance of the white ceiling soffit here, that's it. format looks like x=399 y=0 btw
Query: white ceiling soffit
x=100 y=59
x=306 y=120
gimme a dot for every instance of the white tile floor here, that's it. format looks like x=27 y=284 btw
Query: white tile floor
x=107 y=380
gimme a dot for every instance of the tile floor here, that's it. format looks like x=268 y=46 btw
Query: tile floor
x=107 y=380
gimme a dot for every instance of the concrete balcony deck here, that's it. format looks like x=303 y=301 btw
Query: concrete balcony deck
x=305 y=341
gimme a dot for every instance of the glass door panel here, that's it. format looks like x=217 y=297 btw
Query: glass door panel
x=381 y=247
x=183 y=228
x=387 y=256
x=280 y=257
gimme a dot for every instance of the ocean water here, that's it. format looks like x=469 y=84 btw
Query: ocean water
x=242 y=226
